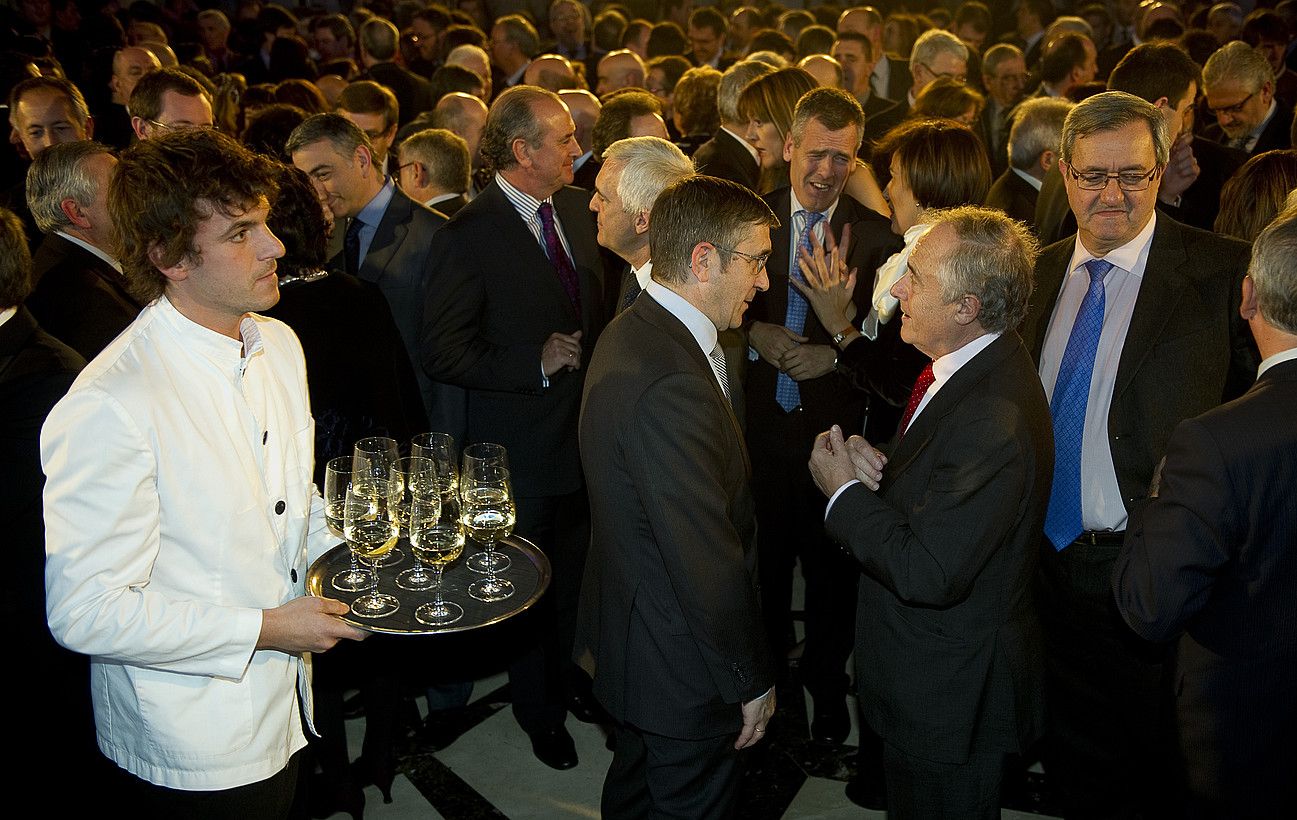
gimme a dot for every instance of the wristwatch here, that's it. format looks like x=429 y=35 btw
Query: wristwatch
x=841 y=334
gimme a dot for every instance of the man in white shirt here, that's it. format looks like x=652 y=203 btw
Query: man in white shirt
x=179 y=506
x=945 y=526
x=670 y=617
x=635 y=171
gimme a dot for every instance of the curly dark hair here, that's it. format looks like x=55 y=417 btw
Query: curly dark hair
x=165 y=187
x=298 y=220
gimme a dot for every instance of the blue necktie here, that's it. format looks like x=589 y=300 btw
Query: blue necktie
x=1071 y=395
x=351 y=247
x=787 y=392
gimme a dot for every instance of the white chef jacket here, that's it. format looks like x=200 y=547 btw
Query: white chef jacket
x=178 y=505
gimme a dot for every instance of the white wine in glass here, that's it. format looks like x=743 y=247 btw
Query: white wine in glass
x=437 y=541
x=370 y=528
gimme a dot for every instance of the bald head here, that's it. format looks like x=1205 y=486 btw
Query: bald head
x=552 y=72
x=584 y=108
x=129 y=64
x=620 y=69
x=465 y=115
x=331 y=86
x=826 y=70
x=475 y=60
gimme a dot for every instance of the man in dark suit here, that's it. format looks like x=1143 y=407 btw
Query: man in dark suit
x=379 y=42
x=1004 y=75
x=1032 y=152
x=1135 y=327
x=386 y=237
x=434 y=169
x=515 y=300
x=794 y=391
x=1209 y=562
x=1239 y=86
x=81 y=296
x=945 y=526
x=670 y=622
x=727 y=154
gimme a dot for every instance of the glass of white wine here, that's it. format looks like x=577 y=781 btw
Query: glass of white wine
x=414 y=481
x=440 y=447
x=488 y=515
x=337 y=479
x=373 y=457
x=483 y=464
x=437 y=539
x=370 y=527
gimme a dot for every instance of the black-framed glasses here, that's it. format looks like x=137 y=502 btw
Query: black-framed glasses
x=401 y=168
x=760 y=260
x=1235 y=109
x=181 y=126
x=1126 y=180
x=945 y=75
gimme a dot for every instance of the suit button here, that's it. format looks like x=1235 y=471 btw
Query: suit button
x=292 y=573
x=265 y=436
x=279 y=508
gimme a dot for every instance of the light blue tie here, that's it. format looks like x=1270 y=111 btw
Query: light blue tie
x=1071 y=395
x=787 y=392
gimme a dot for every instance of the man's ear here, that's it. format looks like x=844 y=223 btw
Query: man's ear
x=701 y=260
x=138 y=125
x=175 y=273
x=641 y=223
x=967 y=309
x=74 y=212
x=1248 y=307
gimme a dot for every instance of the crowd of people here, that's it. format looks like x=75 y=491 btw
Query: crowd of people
x=1017 y=278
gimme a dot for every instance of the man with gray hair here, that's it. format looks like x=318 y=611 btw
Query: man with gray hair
x=936 y=54
x=634 y=172
x=80 y=295
x=513 y=43
x=435 y=170
x=944 y=520
x=1209 y=560
x=465 y=115
x=1239 y=86
x=1135 y=328
x=379 y=42
x=1033 y=151
x=727 y=154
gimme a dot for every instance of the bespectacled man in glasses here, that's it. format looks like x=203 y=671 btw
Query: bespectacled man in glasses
x=169 y=100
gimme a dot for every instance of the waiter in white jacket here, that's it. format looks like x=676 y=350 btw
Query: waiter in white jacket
x=180 y=514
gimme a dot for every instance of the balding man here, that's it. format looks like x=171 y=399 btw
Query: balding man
x=620 y=69
x=475 y=60
x=114 y=122
x=826 y=70
x=585 y=109
x=465 y=115
x=379 y=40
x=891 y=75
x=552 y=72
x=46 y=111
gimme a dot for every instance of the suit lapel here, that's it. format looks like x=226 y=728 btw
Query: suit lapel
x=1050 y=273
x=1159 y=293
x=516 y=240
x=777 y=268
x=388 y=237
x=575 y=216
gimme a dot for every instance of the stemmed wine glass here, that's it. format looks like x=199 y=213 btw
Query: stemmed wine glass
x=371 y=529
x=372 y=458
x=337 y=480
x=437 y=539
x=484 y=462
x=488 y=516
x=414 y=481
x=440 y=447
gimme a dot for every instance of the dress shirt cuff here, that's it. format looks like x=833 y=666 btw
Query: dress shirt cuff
x=762 y=696
x=544 y=380
x=835 y=495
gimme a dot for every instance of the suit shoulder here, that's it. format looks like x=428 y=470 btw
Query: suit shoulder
x=1210 y=243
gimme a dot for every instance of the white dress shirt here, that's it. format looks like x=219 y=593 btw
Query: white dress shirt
x=699 y=326
x=1101 y=500
x=91 y=249
x=1269 y=362
x=643 y=274
x=178 y=506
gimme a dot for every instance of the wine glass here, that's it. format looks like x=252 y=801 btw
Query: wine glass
x=482 y=462
x=337 y=480
x=488 y=516
x=440 y=447
x=437 y=538
x=373 y=457
x=371 y=530
x=414 y=481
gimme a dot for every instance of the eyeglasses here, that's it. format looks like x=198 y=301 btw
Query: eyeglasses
x=945 y=75
x=1126 y=180
x=760 y=260
x=401 y=168
x=181 y=126
x=1236 y=108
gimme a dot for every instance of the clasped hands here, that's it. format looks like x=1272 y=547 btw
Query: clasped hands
x=834 y=461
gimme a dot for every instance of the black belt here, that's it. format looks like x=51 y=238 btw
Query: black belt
x=1096 y=538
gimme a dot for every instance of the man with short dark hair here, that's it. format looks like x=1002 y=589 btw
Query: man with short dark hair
x=517 y=344
x=169 y=100
x=670 y=621
x=856 y=54
x=513 y=43
x=728 y=154
x=707 y=38
x=335 y=39
x=80 y=293
x=1033 y=152
x=379 y=41
x=1067 y=62
x=1004 y=75
x=944 y=522
x=374 y=109
x=193 y=614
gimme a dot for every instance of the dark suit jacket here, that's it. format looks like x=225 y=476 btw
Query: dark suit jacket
x=831 y=398
x=79 y=299
x=1211 y=560
x=1276 y=135
x=899 y=78
x=726 y=157
x=669 y=622
x=1187 y=348
x=492 y=301
x=450 y=207
x=413 y=93
x=584 y=176
x=947 y=642
x=993 y=127
x=1054 y=218
x=1015 y=196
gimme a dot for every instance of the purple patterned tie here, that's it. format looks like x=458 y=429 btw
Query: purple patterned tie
x=554 y=250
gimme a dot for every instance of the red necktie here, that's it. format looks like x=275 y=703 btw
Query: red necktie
x=921 y=386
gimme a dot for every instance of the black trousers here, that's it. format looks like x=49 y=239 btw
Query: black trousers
x=919 y=789
x=269 y=799
x=658 y=777
x=1110 y=737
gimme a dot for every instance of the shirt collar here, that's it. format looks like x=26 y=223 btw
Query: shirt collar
x=441 y=198
x=1032 y=181
x=581 y=160
x=797 y=206
x=86 y=246
x=946 y=366
x=372 y=213
x=643 y=275
x=700 y=327
x=7 y=314
x=1126 y=257
x=1277 y=358
x=524 y=203
x=231 y=355
x=1256 y=132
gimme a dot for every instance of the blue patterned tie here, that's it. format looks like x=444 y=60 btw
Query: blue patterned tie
x=1071 y=395
x=787 y=393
